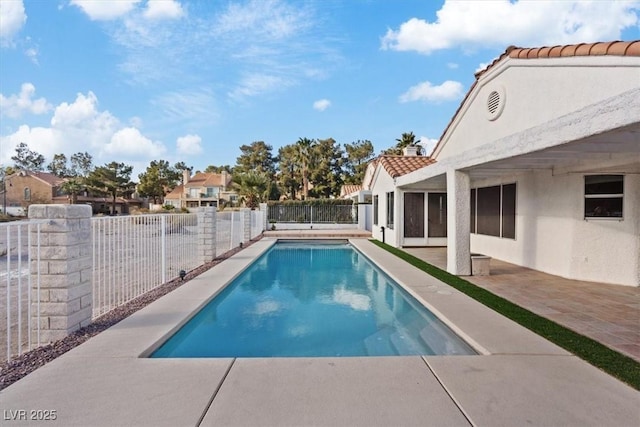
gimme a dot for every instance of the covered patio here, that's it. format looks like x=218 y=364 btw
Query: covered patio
x=606 y=313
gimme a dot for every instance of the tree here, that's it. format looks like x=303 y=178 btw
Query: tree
x=72 y=187
x=113 y=179
x=27 y=159
x=181 y=167
x=256 y=157
x=81 y=164
x=58 y=166
x=219 y=169
x=157 y=180
x=253 y=187
x=359 y=154
x=326 y=170
x=304 y=155
x=407 y=140
x=289 y=174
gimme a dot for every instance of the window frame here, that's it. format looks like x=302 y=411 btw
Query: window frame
x=375 y=209
x=603 y=196
x=500 y=210
x=390 y=209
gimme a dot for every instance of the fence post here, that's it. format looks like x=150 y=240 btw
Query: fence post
x=246 y=224
x=207 y=233
x=62 y=295
x=265 y=215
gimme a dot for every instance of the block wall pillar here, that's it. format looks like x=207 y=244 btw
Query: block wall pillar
x=63 y=293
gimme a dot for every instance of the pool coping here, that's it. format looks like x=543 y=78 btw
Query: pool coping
x=108 y=381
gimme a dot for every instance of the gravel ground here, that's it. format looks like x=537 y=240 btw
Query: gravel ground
x=23 y=365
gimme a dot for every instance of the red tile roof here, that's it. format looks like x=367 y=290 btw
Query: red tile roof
x=350 y=189
x=615 y=48
x=402 y=165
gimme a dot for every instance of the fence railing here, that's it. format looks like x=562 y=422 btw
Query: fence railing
x=19 y=279
x=134 y=254
x=323 y=214
x=229 y=230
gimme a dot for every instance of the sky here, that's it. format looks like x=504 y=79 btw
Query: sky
x=192 y=80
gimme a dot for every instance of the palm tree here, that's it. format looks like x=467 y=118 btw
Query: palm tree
x=304 y=156
x=253 y=188
x=407 y=140
x=72 y=187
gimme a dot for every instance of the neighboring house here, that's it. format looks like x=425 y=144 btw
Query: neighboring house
x=540 y=165
x=203 y=189
x=25 y=188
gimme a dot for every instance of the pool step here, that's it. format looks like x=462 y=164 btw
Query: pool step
x=404 y=344
x=438 y=342
x=378 y=344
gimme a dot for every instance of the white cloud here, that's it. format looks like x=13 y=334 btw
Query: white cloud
x=80 y=126
x=255 y=84
x=131 y=143
x=482 y=66
x=189 y=145
x=425 y=91
x=15 y=105
x=271 y=19
x=163 y=9
x=12 y=19
x=452 y=65
x=428 y=144
x=499 y=23
x=32 y=54
x=321 y=104
x=105 y=10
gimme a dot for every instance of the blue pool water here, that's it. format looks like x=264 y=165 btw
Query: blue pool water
x=312 y=299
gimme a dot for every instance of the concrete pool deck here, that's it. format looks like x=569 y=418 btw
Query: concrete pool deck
x=520 y=378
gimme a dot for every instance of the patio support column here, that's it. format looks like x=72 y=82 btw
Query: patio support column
x=207 y=233
x=62 y=255
x=458 y=223
x=361 y=211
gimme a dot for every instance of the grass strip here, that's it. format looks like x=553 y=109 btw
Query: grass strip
x=616 y=364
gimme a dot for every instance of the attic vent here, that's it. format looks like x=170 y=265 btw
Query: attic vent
x=495 y=103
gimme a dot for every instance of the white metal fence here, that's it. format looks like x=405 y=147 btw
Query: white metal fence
x=257 y=223
x=229 y=230
x=19 y=268
x=134 y=254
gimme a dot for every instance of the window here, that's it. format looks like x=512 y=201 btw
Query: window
x=212 y=191
x=375 y=210
x=493 y=211
x=194 y=193
x=603 y=196
x=390 y=203
x=27 y=193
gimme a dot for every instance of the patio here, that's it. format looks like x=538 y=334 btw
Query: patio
x=519 y=378
x=609 y=314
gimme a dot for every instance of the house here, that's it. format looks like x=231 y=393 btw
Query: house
x=203 y=189
x=25 y=188
x=540 y=165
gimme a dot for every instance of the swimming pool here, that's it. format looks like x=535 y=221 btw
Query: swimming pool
x=312 y=299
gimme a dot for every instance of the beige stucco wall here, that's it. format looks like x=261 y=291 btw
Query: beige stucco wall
x=382 y=184
x=553 y=236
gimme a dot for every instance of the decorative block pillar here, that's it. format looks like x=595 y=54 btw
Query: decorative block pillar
x=63 y=294
x=207 y=233
x=264 y=208
x=246 y=224
x=458 y=223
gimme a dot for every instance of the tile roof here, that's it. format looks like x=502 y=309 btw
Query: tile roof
x=206 y=179
x=350 y=189
x=402 y=165
x=613 y=48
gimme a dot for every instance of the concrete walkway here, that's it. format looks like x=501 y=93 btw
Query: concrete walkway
x=518 y=378
x=609 y=314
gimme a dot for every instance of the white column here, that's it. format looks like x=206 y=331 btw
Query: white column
x=458 y=220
